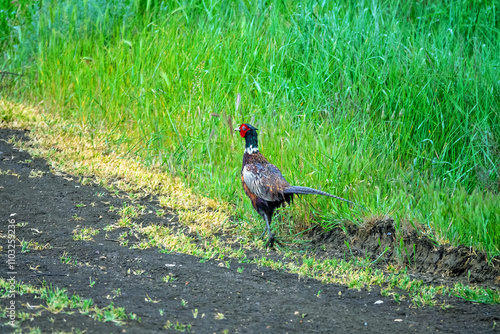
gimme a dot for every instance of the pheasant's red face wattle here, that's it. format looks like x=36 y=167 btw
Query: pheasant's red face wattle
x=243 y=130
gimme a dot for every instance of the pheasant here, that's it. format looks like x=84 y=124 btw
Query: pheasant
x=264 y=184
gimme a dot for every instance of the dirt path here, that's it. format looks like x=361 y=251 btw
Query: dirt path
x=205 y=297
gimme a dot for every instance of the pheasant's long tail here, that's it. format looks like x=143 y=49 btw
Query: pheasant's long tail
x=312 y=191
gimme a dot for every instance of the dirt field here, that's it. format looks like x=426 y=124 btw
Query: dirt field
x=201 y=297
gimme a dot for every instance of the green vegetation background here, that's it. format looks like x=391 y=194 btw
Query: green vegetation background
x=392 y=104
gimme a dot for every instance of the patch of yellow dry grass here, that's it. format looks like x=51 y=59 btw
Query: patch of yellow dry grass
x=74 y=149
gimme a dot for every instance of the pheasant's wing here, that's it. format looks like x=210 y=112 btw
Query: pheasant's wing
x=265 y=181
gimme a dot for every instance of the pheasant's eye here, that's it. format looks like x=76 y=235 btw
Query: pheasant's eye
x=243 y=127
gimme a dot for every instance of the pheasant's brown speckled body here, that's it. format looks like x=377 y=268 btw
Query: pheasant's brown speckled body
x=263 y=182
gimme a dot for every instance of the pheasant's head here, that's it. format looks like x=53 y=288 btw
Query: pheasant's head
x=246 y=128
x=250 y=134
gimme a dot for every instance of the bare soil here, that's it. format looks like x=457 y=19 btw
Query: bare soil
x=425 y=258
x=255 y=300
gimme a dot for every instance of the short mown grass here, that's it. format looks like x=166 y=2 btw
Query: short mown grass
x=388 y=103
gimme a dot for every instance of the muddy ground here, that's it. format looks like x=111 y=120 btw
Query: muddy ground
x=252 y=300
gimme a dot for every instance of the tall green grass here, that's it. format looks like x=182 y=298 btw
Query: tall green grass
x=391 y=104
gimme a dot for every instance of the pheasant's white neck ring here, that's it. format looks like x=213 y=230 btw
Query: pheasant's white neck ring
x=251 y=150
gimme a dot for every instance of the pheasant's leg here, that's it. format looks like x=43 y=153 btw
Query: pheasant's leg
x=270 y=241
x=267 y=229
x=265 y=215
